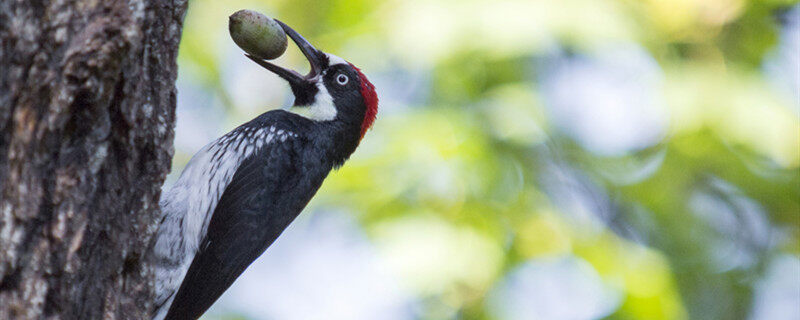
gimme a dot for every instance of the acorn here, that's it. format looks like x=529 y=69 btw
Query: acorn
x=257 y=34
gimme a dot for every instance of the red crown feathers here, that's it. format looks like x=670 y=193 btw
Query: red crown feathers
x=370 y=99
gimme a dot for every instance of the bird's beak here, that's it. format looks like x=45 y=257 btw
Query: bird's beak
x=295 y=79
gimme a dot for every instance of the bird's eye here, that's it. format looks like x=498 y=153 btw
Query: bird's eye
x=342 y=79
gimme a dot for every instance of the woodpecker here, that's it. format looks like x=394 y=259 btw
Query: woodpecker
x=239 y=192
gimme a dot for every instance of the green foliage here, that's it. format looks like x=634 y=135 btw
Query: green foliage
x=456 y=188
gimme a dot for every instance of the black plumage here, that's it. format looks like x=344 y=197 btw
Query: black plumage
x=267 y=192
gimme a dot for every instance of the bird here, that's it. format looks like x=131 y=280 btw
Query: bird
x=239 y=192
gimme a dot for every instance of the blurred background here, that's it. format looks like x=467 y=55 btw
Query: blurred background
x=576 y=159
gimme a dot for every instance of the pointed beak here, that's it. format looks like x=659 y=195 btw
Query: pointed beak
x=295 y=79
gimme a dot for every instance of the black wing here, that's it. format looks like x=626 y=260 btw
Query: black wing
x=250 y=215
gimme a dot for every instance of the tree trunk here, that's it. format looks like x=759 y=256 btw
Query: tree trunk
x=87 y=107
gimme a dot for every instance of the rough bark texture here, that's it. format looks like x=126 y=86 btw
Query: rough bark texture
x=87 y=100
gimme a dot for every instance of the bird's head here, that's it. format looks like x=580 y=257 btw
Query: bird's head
x=334 y=89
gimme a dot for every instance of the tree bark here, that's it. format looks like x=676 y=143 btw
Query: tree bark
x=87 y=108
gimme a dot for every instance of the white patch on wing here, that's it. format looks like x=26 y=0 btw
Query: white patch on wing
x=322 y=109
x=212 y=169
x=190 y=203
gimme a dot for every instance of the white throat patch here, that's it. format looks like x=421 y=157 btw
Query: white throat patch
x=322 y=109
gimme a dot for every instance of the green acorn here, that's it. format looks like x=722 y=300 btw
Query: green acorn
x=257 y=34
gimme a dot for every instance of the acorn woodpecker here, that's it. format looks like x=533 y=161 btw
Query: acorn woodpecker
x=239 y=192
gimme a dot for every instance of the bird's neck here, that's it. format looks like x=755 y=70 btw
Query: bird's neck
x=340 y=138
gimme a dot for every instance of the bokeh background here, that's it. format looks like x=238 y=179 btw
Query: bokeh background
x=574 y=159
